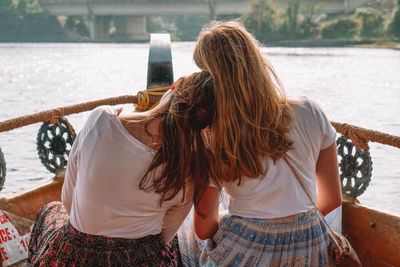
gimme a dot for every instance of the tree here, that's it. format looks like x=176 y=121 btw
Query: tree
x=78 y=24
x=188 y=27
x=345 y=27
x=371 y=21
x=260 y=20
x=308 y=25
x=24 y=20
x=394 y=26
x=292 y=16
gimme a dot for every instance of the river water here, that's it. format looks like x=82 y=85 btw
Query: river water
x=353 y=85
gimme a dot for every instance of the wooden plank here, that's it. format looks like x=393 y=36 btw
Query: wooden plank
x=375 y=235
x=28 y=203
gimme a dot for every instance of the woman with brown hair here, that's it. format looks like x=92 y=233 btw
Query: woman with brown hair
x=262 y=138
x=130 y=182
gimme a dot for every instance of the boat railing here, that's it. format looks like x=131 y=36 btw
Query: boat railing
x=355 y=162
x=56 y=135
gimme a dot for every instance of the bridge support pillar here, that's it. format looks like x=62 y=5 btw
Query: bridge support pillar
x=131 y=28
x=100 y=28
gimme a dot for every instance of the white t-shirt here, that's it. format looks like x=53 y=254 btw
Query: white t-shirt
x=277 y=193
x=101 y=187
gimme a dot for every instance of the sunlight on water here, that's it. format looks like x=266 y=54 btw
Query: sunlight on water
x=352 y=85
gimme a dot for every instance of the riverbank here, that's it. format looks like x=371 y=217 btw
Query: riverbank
x=284 y=43
x=392 y=44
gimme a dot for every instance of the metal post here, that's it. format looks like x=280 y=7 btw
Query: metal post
x=159 y=71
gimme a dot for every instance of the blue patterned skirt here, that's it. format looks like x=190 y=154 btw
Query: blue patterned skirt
x=297 y=240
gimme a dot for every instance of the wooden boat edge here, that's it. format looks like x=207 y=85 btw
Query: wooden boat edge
x=28 y=202
x=374 y=234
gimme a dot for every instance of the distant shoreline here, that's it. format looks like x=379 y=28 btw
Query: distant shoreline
x=336 y=43
x=284 y=43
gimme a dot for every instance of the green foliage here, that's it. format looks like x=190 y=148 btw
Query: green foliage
x=309 y=25
x=78 y=24
x=371 y=21
x=188 y=27
x=346 y=27
x=260 y=20
x=292 y=17
x=394 y=26
x=154 y=24
x=298 y=20
x=24 y=20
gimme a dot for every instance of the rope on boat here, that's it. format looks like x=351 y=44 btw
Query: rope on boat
x=145 y=99
x=361 y=136
x=148 y=98
x=53 y=114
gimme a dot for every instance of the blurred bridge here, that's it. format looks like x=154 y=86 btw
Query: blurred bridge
x=129 y=16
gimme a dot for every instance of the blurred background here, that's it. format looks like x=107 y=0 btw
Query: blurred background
x=286 y=22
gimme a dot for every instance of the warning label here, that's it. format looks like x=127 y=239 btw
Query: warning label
x=13 y=246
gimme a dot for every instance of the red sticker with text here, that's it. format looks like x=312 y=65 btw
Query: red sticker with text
x=13 y=246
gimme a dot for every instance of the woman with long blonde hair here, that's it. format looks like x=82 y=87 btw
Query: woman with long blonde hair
x=263 y=140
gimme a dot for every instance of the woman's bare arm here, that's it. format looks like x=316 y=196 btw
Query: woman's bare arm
x=206 y=221
x=329 y=194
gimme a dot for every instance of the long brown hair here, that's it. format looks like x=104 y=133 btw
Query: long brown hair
x=184 y=154
x=253 y=113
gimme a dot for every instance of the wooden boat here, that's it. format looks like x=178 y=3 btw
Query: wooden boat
x=374 y=234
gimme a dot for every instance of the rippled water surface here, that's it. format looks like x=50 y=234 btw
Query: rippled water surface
x=353 y=85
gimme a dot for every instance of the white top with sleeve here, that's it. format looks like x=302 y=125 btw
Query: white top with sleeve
x=278 y=193
x=101 y=187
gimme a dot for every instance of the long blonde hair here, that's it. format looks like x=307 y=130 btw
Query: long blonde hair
x=253 y=113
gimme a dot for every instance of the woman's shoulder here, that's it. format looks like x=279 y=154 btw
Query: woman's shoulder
x=310 y=118
x=99 y=117
x=103 y=110
x=304 y=106
x=102 y=113
x=301 y=102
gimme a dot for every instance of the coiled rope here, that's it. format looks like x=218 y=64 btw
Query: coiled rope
x=148 y=98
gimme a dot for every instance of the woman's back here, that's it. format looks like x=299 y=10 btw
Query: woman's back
x=108 y=166
x=277 y=193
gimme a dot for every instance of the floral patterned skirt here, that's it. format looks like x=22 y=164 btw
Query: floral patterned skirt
x=54 y=242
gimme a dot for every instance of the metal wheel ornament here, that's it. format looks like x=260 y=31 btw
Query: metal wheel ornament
x=2 y=170
x=355 y=167
x=54 y=142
